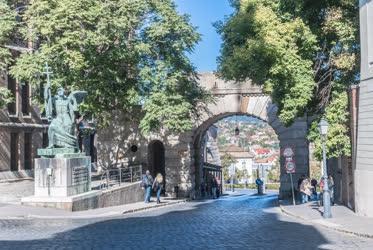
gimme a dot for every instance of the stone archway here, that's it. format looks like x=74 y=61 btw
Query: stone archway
x=246 y=99
x=181 y=165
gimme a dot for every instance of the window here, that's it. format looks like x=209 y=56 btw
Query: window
x=12 y=86
x=28 y=151
x=14 y=151
x=25 y=99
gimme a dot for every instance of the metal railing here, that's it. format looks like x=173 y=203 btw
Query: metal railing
x=117 y=174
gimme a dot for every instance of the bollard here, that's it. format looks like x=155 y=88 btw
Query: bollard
x=176 y=191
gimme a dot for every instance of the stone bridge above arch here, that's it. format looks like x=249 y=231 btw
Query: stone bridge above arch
x=245 y=98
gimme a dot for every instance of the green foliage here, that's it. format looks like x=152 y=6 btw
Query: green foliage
x=226 y=161
x=337 y=141
x=304 y=53
x=7 y=25
x=274 y=173
x=269 y=186
x=125 y=53
x=5 y=97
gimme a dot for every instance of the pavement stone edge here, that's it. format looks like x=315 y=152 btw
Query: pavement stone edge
x=342 y=230
x=105 y=215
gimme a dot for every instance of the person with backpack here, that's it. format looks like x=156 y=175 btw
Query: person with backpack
x=157 y=186
x=146 y=183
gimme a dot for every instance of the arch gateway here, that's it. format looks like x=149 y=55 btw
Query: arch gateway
x=247 y=99
x=182 y=153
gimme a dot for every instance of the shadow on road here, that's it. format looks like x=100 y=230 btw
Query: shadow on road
x=240 y=222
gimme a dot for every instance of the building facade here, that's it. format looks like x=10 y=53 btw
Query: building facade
x=22 y=130
x=243 y=162
x=363 y=172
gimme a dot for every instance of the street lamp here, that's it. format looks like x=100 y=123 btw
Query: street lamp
x=323 y=128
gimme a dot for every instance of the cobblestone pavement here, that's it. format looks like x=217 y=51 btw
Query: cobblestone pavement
x=243 y=221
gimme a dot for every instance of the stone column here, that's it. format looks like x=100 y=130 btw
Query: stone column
x=364 y=154
x=295 y=137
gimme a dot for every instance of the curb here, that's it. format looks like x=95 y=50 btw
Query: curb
x=98 y=216
x=341 y=230
x=155 y=206
x=16 y=180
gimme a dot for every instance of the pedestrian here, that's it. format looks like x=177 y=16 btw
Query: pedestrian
x=219 y=187
x=203 y=189
x=259 y=183
x=300 y=180
x=321 y=185
x=214 y=185
x=314 y=189
x=305 y=190
x=158 y=186
x=302 y=177
x=146 y=183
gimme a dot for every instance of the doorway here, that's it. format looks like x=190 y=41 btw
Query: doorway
x=156 y=159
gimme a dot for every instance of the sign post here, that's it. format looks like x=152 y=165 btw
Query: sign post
x=288 y=153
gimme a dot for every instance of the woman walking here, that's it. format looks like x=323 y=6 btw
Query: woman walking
x=305 y=190
x=157 y=186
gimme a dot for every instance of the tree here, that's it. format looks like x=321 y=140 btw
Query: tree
x=226 y=162
x=304 y=54
x=7 y=26
x=125 y=53
x=274 y=173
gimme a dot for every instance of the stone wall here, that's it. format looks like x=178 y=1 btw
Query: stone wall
x=114 y=143
x=113 y=197
x=130 y=193
x=183 y=155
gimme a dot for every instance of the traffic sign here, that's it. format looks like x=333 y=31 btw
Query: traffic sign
x=288 y=152
x=290 y=166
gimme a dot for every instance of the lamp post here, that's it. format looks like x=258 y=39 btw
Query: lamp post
x=323 y=127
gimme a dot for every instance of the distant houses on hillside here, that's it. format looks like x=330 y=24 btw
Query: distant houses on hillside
x=243 y=162
x=255 y=149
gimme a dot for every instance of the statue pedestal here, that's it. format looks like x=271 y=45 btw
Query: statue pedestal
x=62 y=176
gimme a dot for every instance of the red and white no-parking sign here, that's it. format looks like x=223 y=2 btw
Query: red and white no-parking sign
x=290 y=166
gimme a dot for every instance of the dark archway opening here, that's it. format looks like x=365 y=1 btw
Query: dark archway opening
x=156 y=159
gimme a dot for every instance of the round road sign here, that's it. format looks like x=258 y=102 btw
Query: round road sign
x=290 y=166
x=288 y=152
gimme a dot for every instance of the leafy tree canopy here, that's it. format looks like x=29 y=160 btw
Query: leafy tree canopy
x=125 y=53
x=7 y=26
x=303 y=53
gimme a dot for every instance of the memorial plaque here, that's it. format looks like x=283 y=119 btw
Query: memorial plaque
x=79 y=175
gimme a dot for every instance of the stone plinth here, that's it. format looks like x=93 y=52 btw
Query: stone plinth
x=56 y=152
x=128 y=193
x=62 y=176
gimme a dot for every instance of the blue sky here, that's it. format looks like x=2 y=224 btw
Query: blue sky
x=203 y=14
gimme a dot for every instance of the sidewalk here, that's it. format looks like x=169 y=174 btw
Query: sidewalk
x=16 y=211
x=343 y=219
x=11 y=208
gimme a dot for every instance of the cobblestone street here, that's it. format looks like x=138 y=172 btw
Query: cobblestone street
x=242 y=221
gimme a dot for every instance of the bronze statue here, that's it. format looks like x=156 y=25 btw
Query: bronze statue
x=61 y=113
